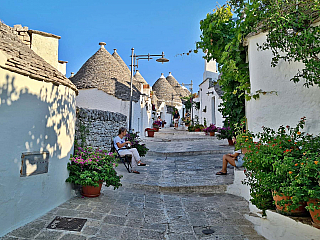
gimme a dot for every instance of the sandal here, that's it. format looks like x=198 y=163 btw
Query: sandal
x=221 y=173
x=135 y=172
x=142 y=164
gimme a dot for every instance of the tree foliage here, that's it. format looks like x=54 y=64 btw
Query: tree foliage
x=292 y=36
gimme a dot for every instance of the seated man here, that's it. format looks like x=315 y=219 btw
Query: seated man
x=235 y=159
x=120 y=144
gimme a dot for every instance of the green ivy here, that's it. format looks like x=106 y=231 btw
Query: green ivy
x=291 y=36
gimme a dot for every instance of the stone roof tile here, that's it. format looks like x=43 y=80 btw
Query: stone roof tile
x=176 y=86
x=103 y=71
x=139 y=78
x=165 y=92
x=22 y=60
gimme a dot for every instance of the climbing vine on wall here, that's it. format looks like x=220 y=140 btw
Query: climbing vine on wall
x=291 y=36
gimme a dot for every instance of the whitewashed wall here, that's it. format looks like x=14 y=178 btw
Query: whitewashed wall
x=46 y=47
x=290 y=102
x=34 y=116
x=97 y=99
x=211 y=103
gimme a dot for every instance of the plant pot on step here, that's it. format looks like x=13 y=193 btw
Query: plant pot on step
x=150 y=132
x=91 y=191
x=315 y=214
x=300 y=211
x=211 y=133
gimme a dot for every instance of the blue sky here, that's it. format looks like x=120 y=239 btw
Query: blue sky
x=148 y=26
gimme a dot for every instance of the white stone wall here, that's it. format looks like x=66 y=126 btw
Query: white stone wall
x=290 y=102
x=34 y=116
x=211 y=103
x=46 y=47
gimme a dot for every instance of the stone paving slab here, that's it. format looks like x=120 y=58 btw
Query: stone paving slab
x=174 y=198
x=179 y=174
x=147 y=215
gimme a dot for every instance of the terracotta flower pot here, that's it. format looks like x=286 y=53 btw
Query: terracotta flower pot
x=300 y=211
x=91 y=191
x=197 y=130
x=230 y=142
x=315 y=214
x=150 y=133
x=212 y=133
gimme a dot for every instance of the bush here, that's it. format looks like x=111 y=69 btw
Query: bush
x=88 y=166
x=135 y=143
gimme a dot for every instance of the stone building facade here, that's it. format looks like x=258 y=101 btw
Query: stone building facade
x=97 y=127
x=37 y=118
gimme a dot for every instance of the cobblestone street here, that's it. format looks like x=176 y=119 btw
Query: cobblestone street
x=176 y=196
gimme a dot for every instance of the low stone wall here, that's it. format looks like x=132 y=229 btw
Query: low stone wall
x=97 y=128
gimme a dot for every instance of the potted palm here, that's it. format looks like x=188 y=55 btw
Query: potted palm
x=90 y=168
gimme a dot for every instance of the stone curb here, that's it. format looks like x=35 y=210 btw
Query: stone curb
x=189 y=153
x=180 y=189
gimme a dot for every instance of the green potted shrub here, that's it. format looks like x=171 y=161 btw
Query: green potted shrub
x=305 y=186
x=90 y=168
x=270 y=164
x=198 y=127
x=225 y=133
x=136 y=143
x=191 y=128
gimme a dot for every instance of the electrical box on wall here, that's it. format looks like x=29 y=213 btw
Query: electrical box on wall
x=33 y=163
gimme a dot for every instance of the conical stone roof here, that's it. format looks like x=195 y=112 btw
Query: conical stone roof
x=139 y=77
x=102 y=71
x=125 y=70
x=165 y=92
x=154 y=99
x=176 y=86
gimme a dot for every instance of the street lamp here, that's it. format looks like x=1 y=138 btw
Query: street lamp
x=190 y=85
x=134 y=63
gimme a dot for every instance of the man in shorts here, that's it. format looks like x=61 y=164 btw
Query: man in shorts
x=176 y=117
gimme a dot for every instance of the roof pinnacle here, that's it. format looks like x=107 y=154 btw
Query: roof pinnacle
x=102 y=44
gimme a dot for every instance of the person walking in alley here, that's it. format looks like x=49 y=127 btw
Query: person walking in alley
x=235 y=159
x=176 y=117
x=122 y=145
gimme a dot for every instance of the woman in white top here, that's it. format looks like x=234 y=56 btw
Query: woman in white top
x=235 y=159
x=120 y=144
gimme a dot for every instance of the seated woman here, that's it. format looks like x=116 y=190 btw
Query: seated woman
x=160 y=120
x=235 y=159
x=120 y=144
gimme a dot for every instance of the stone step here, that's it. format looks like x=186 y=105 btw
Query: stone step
x=179 y=189
x=186 y=153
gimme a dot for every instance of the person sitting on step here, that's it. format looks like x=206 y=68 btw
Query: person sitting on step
x=235 y=159
x=121 y=146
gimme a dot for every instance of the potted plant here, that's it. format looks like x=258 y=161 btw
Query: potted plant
x=150 y=132
x=156 y=125
x=211 y=129
x=90 y=168
x=272 y=166
x=191 y=128
x=309 y=181
x=136 y=143
x=198 y=127
x=225 y=133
